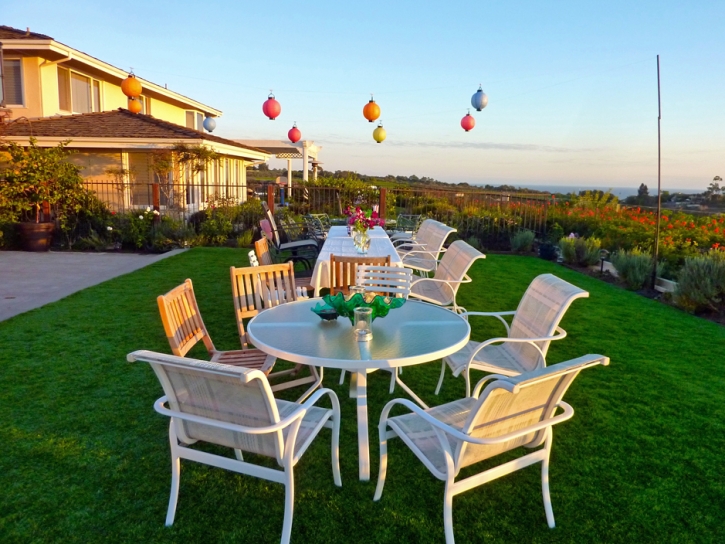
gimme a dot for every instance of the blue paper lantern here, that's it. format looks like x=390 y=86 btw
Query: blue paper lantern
x=209 y=124
x=479 y=100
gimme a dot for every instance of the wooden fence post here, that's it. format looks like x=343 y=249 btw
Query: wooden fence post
x=382 y=210
x=270 y=197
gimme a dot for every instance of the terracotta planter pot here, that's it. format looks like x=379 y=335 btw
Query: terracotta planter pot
x=36 y=236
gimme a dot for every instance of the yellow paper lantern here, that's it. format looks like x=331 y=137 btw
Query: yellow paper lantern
x=379 y=133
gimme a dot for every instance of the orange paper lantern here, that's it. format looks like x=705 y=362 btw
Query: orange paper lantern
x=134 y=105
x=131 y=86
x=371 y=111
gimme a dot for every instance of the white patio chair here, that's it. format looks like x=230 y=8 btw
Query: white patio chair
x=421 y=252
x=535 y=324
x=509 y=413
x=451 y=271
x=256 y=288
x=234 y=407
x=389 y=281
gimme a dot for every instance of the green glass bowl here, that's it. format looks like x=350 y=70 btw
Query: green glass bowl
x=345 y=306
x=326 y=313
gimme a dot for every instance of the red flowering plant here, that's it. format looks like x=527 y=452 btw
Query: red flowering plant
x=361 y=221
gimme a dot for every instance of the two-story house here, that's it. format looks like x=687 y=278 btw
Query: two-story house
x=55 y=93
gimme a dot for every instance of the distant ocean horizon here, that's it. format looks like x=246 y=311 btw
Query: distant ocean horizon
x=619 y=192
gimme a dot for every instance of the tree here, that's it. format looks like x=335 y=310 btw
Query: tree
x=642 y=192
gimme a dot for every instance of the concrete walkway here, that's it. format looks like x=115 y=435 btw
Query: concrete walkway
x=30 y=280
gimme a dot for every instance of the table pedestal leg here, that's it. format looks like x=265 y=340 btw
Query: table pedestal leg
x=360 y=380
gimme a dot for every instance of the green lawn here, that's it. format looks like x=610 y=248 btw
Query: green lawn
x=85 y=458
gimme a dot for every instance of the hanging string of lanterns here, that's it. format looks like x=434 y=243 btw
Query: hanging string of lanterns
x=371 y=112
x=132 y=88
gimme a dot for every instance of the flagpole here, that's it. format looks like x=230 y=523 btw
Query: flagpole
x=659 y=177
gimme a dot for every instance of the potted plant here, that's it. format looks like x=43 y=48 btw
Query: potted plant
x=32 y=178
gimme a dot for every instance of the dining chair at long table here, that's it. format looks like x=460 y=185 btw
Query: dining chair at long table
x=308 y=247
x=302 y=279
x=256 y=288
x=534 y=326
x=451 y=271
x=234 y=408
x=509 y=413
x=184 y=327
x=421 y=252
x=343 y=270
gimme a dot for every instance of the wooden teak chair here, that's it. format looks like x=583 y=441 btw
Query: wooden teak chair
x=256 y=288
x=343 y=270
x=184 y=327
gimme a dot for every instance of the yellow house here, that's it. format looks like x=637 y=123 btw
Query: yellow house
x=55 y=93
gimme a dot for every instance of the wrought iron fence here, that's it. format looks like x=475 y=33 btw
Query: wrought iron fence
x=489 y=218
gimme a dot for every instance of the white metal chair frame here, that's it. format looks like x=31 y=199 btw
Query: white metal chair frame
x=421 y=252
x=530 y=427
x=539 y=343
x=448 y=276
x=287 y=452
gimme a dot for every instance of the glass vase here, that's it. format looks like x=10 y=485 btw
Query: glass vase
x=361 y=241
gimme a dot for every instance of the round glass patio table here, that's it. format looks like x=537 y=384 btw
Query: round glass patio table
x=417 y=332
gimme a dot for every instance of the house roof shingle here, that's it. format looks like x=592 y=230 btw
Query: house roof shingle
x=10 y=33
x=119 y=123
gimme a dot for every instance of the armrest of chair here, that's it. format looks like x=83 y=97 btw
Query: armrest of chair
x=455 y=433
x=560 y=333
x=493 y=314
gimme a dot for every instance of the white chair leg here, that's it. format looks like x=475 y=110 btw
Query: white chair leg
x=175 y=475
x=342 y=377
x=335 y=444
x=392 y=380
x=383 y=468
x=440 y=380
x=467 y=376
x=448 y=514
x=545 y=482
x=238 y=454
x=289 y=499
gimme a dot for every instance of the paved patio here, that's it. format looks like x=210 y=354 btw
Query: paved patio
x=31 y=280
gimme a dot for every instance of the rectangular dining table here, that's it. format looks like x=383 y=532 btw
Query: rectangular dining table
x=339 y=243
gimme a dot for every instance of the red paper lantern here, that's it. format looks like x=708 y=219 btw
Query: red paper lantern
x=468 y=122
x=371 y=111
x=134 y=105
x=131 y=86
x=294 y=134
x=271 y=107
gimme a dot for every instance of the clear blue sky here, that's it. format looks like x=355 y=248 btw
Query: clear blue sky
x=571 y=85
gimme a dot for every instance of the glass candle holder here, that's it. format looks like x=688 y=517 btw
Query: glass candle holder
x=356 y=289
x=363 y=322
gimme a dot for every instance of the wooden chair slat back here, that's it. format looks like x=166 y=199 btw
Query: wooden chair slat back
x=182 y=320
x=343 y=270
x=261 y=248
x=257 y=288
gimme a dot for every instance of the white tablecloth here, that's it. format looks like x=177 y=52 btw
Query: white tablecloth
x=339 y=243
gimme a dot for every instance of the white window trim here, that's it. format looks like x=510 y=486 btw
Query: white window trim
x=70 y=91
x=22 y=83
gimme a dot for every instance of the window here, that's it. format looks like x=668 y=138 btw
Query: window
x=78 y=93
x=194 y=120
x=12 y=83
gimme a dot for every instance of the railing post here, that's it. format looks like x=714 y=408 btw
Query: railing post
x=156 y=200
x=383 y=194
x=270 y=197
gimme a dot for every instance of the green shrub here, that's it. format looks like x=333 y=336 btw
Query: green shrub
x=522 y=241
x=587 y=250
x=634 y=267
x=245 y=238
x=568 y=250
x=701 y=283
